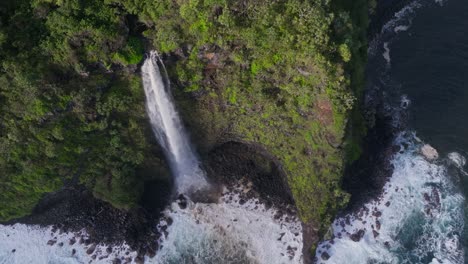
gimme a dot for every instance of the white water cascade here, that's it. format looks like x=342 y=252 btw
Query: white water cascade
x=169 y=129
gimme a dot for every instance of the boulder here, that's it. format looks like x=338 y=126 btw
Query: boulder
x=325 y=256
x=429 y=152
x=356 y=237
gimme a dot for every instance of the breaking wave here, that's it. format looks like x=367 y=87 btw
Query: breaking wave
x=233 y=231
x=417 y=219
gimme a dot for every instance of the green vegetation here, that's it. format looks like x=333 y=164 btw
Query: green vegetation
x=284 y=74
x=68 y=108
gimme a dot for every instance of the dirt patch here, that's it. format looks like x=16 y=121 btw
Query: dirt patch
x=325 y=111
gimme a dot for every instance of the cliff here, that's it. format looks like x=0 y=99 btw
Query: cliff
x=283 y=76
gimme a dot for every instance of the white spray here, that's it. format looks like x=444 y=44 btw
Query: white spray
x=169 y=130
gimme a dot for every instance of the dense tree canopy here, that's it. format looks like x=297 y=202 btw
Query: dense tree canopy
x=69 y=108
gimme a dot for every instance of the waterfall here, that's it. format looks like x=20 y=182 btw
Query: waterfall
x=169 y=129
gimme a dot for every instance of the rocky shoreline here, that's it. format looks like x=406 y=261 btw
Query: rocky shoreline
x=366 y=177
x=74 y=209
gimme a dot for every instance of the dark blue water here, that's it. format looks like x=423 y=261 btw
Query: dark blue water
x=430 y=62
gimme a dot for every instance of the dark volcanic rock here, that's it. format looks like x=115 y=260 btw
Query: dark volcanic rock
x=182 y=201
x=365 y=178
x=325 y=256
x=91 y=249
x=356 y=237
x=377 y=213
x=375 y=233
x=249 y=166
x=75 y=208
x=234 y=162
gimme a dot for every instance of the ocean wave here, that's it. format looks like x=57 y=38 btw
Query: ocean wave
x=417 y=219
x=231 y=231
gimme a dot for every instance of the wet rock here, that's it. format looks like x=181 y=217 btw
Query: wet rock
x=428 y=211
x=375 y=233
x=140 y=259
x=72 y=241
x=325 y=256
x=13 y=250
x=91 y=249
x=377 y=213
x=377 y=225
x=73 y=252
x=387 y=204
x=51 y=242
x=435 y=194
x=281 y=236
x=151 y=253
x=291 y=251
x=117 y=261
x=426 y=197
x=109 y=250
x=356 y=237
x=60 y=244
x=182 y=202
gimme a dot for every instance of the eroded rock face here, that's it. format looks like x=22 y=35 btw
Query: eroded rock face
x=429 y=152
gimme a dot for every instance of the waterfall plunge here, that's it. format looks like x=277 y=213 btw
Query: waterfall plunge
x=169 y=130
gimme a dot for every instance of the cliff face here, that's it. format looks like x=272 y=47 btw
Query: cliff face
x=286 y=76
x=283 y=76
